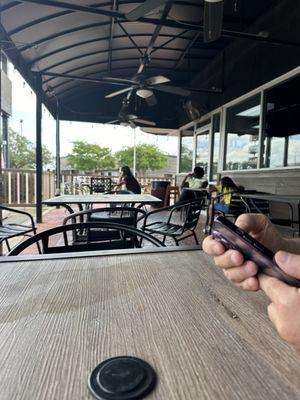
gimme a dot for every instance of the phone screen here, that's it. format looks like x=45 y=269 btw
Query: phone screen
x=235 y=238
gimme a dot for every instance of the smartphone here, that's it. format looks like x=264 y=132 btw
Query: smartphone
x=235 y=238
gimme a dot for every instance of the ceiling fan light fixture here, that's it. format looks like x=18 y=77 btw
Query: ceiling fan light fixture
x=144 y=93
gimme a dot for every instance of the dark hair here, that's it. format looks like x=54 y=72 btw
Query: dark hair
x=127 y=171
x=198 y=172
x=228 y=183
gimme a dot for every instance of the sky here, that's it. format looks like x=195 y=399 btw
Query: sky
x=113 y=136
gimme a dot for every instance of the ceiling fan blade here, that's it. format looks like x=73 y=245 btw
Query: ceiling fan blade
x=173 y=89
x=157 y=80
x=113 y=94
x=119 y=80
x=144 y=9
x=131 y=116
x=151 y=101
x=145 y=121
x=213 y=19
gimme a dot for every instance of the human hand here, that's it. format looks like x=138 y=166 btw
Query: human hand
x=284 y=310
x=235 y=268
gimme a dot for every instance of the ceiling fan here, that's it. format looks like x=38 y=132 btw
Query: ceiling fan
x=213 y=20
x=144 y=87
x=143 y=9
x=126 y=119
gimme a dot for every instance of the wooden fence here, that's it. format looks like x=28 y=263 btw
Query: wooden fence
x=19 y=186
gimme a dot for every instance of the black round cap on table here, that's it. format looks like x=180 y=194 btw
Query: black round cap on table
x=122 y=378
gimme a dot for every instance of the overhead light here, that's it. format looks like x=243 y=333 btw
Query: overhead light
x=144 y=93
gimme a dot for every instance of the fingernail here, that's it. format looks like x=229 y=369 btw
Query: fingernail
x=282 y=257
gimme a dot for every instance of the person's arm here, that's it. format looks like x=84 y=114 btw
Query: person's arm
x=284 y=309
x=236 y=269
x=184 y=182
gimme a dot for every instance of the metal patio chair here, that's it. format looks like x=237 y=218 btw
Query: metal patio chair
x=127 y=239
x=100 y=185
x=188 y=212
x=12 y=230
x=128 y=216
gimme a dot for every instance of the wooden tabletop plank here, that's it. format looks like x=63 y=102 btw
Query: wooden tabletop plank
x=205 y=338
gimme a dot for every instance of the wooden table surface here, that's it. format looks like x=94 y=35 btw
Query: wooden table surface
x=205 y=338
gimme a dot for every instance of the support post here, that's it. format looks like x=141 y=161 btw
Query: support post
x=134 y=151
x=5 y=139
x=39 y=157
x=58 y=172
x=1 y=176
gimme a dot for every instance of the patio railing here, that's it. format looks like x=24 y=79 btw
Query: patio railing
x=19 y=185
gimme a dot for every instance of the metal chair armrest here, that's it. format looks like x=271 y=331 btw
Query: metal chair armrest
x=19 y=212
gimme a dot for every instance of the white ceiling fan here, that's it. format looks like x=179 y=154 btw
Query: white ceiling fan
x=144 y=87
x=213 y=20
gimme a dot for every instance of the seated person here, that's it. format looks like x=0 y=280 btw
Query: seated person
x=193 y=180
x=226 y=187
x=227 y=202
x=128 y=180
x=284 y=309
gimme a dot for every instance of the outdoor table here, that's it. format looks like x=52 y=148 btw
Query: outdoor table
x=88 y=199
x=289 y=199
x=61 y=315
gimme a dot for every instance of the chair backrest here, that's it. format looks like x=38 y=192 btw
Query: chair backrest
x=172 y=193
x=121 y=215
x=100 y=185
x=258 y=206
x=193 y=211
x=125 y=233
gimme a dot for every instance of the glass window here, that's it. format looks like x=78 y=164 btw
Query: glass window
x=202 y=150
x=242 y=128
x=186 y=152
x=215 y=146
x=281 y=145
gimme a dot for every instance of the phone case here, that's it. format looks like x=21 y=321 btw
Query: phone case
x=235 y=238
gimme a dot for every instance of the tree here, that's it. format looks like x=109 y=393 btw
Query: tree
x=186 y=159
x=147 y=157
x=89 y=157
x=22 y=152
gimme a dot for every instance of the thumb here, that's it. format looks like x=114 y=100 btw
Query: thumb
x=289 y=263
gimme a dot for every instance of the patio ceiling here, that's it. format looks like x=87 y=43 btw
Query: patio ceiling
x=65 y=41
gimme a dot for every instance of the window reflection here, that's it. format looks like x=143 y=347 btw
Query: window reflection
x=294 y=150
x=202 y=150
x=186 y=153
x=242 y=128
x=282 y=127
x=216 y=146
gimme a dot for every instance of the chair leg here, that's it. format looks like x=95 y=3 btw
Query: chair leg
x=7 y=245
x=37 y=243
x=195 y=237
x=176 y=241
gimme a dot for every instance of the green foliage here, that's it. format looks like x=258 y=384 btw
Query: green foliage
x=90 y=157
x=147 y=157
x=186 y=160
x=22 y=152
